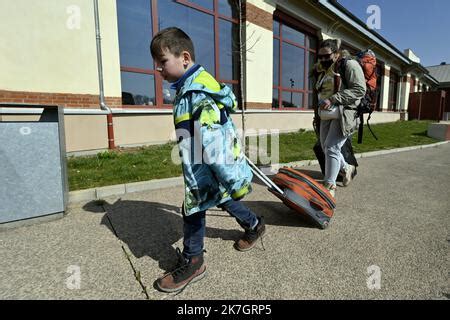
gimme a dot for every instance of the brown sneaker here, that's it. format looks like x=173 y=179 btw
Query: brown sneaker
x=186 y=272
x=248 y=241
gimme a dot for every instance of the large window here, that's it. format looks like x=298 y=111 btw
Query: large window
x=294 y=54
x=211 y=24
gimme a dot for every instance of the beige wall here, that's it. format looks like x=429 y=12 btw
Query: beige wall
x=43 y=49
x=88 y=132
x=406 y=88
x=384 y=93
x=28 y=117
x=85 y=132
x=143 y=129
x=283 y=121
x=383 y=117
x=259 y=64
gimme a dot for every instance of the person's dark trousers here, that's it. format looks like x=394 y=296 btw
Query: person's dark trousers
x=194 y=226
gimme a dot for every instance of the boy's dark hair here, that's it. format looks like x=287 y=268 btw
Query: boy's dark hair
x=333 y=44
x=175 y=40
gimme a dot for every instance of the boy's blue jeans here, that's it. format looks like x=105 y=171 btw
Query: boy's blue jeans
x=194 y=226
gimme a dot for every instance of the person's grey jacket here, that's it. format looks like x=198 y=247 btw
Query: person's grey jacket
x=350 y=93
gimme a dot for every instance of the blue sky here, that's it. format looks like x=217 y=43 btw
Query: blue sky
x=421 y=25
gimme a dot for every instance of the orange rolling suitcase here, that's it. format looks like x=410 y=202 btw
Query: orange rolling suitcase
x=301 y=193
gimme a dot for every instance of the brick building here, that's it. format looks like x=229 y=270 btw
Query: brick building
x=49 y=55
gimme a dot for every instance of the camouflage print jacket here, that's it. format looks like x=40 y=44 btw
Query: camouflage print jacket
x=214 y=167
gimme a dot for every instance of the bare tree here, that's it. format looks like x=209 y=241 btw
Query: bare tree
x=241 y=69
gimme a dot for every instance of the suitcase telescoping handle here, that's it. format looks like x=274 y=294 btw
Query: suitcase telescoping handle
x=269 y=183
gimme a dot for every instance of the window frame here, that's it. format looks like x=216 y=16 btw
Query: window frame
x=309 y=32
x=158 y=80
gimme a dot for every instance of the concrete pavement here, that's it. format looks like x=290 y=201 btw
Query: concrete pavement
x=389 y=239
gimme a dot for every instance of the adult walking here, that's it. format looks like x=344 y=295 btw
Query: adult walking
x=337 y=103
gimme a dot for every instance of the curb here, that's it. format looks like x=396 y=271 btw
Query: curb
x=121 y=189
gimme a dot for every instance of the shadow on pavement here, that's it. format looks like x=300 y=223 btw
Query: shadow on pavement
x=150 y=228
x=276 y=213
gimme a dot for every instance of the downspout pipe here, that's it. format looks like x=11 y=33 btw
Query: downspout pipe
x=103 y=106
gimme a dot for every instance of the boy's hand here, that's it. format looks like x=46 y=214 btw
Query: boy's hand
x=325 y=104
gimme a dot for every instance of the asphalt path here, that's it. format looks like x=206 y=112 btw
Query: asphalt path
x=389 y=239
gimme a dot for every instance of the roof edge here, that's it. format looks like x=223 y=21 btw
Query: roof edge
x=350 y=18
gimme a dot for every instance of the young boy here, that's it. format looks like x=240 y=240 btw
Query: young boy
x=214 y=167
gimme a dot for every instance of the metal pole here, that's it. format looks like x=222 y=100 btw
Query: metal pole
x=109 y=117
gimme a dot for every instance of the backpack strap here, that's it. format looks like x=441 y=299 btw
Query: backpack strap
x=340 y=69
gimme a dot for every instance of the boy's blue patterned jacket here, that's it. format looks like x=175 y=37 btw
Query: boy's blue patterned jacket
x=214 y=167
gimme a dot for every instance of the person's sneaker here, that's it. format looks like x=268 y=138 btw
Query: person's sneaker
x=331 y=188
x=186 y=272
x=248 y=240
x=349 y=175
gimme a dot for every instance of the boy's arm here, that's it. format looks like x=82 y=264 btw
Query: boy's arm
x=221 y=145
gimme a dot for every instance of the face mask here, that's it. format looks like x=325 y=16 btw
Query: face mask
x=326 y=64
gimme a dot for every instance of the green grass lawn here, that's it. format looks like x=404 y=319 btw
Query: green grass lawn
x=154 y=162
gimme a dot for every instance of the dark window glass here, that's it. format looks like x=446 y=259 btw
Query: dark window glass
x=237 y=92
x=229 y=8
x=312 y=43
x=135 y=33
x=292 y=99
x=138 y=89
x=276 y=62
x=198 y=25
x=168 y=93
x=293 y=67
x=293 y=61
x=310 y=100
x=228 y=52
x=207 y=4
x=391 y=91
x=393 y=87
x=276 y=28
x=311 y=62
x=379 y=77
x=293 y=35
x=275 y=99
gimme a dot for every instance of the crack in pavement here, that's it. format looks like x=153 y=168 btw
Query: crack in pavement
x=137 y=273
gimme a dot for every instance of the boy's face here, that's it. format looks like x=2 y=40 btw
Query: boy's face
x=171 y=67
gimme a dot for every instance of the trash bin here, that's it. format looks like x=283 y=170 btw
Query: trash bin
x=33 y=174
